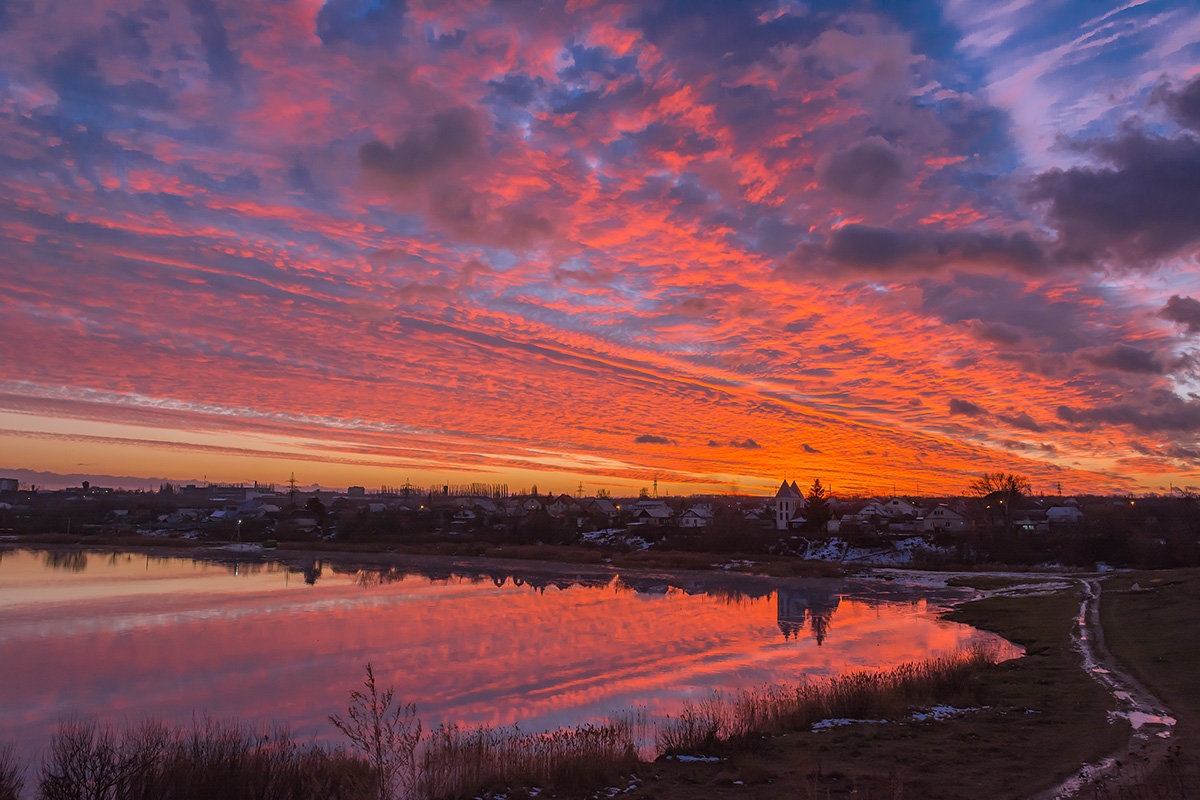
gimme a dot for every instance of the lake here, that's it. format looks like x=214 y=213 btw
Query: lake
x=124 y=636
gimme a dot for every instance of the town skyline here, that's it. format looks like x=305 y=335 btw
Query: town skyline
x=703 y=245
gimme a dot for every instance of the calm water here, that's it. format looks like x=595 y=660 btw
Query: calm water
x=127 y=636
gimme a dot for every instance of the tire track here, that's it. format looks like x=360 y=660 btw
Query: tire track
x=1151 y=720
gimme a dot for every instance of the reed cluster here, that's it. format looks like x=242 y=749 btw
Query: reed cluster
x=457 y=762
x=723 y=719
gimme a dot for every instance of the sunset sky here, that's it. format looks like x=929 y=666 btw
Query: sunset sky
x=716 y=244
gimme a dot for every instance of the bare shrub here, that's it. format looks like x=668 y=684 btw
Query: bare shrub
x=386 y=733
x=89 y=761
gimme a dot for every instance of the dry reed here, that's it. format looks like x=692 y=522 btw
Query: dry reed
x=729 y=719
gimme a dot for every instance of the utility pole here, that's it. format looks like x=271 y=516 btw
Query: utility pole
x=292 y=486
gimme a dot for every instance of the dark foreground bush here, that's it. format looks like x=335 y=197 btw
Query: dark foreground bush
x=89 y=761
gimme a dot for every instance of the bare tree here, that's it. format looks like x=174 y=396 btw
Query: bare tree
x=12 y=773
x=387 y=733
x=1008 y=484
x=1006 y=487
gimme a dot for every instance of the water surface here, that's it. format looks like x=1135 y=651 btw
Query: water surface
x=126 y=636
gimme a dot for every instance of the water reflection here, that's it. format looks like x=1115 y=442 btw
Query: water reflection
x=813 y=607
x=470 y=642
x=68 y=561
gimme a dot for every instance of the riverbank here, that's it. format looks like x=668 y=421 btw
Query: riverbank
x=1028 y=723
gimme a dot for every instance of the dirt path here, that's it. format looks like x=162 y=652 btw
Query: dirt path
x=1150 y=719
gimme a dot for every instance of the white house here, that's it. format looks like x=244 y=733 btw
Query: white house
x=1060 y=515
x=789 y=501
x=899 y=507
x=698 y=516
x=943 y=519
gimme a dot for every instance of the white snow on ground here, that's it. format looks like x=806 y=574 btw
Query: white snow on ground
x=614 y=537
x=898 y=553
x=838 y=722
x=939 y=713
x=934 y=714
x=693 y=758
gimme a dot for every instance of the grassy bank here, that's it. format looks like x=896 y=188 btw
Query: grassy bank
x=1150 y=626
x=727 y=723
x=1044 y=717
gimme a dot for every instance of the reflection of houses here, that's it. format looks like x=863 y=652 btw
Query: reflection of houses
x=796 y=609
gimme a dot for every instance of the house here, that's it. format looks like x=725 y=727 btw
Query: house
x=944 y=519
x=789 y=501
x=698 y=516
x=561 y=505
x=899 y=507
x=600 y=510
x=1064 y=515
x=652 y=513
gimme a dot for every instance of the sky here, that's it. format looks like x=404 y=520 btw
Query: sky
x=888 y=245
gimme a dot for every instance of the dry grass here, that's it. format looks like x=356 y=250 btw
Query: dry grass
x=722 y=720
x=89 y=761
x=465 y=763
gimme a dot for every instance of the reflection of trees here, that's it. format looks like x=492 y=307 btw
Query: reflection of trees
x=312 y=572
x=66 y=560
x=809 y=607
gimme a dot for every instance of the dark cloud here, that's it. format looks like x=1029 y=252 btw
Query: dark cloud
x=1021 y=420
x=300 y=178
x=74 y=74
x=449 y=139
x=746 y=444
x=649 y=438
x=222 y=62
x=999 y=307
x=1125 y=358
x=995 y=332
x=810 y=449
x=713 y=443
x=1185 y=105
x=867 y=248
x=863 y=170
x=517 y=88
x=966 y=408
x=1183 y=311
x=1159 y=411
x=1144 y=207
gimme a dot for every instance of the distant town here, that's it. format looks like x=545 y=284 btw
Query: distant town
x=1002 y=523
